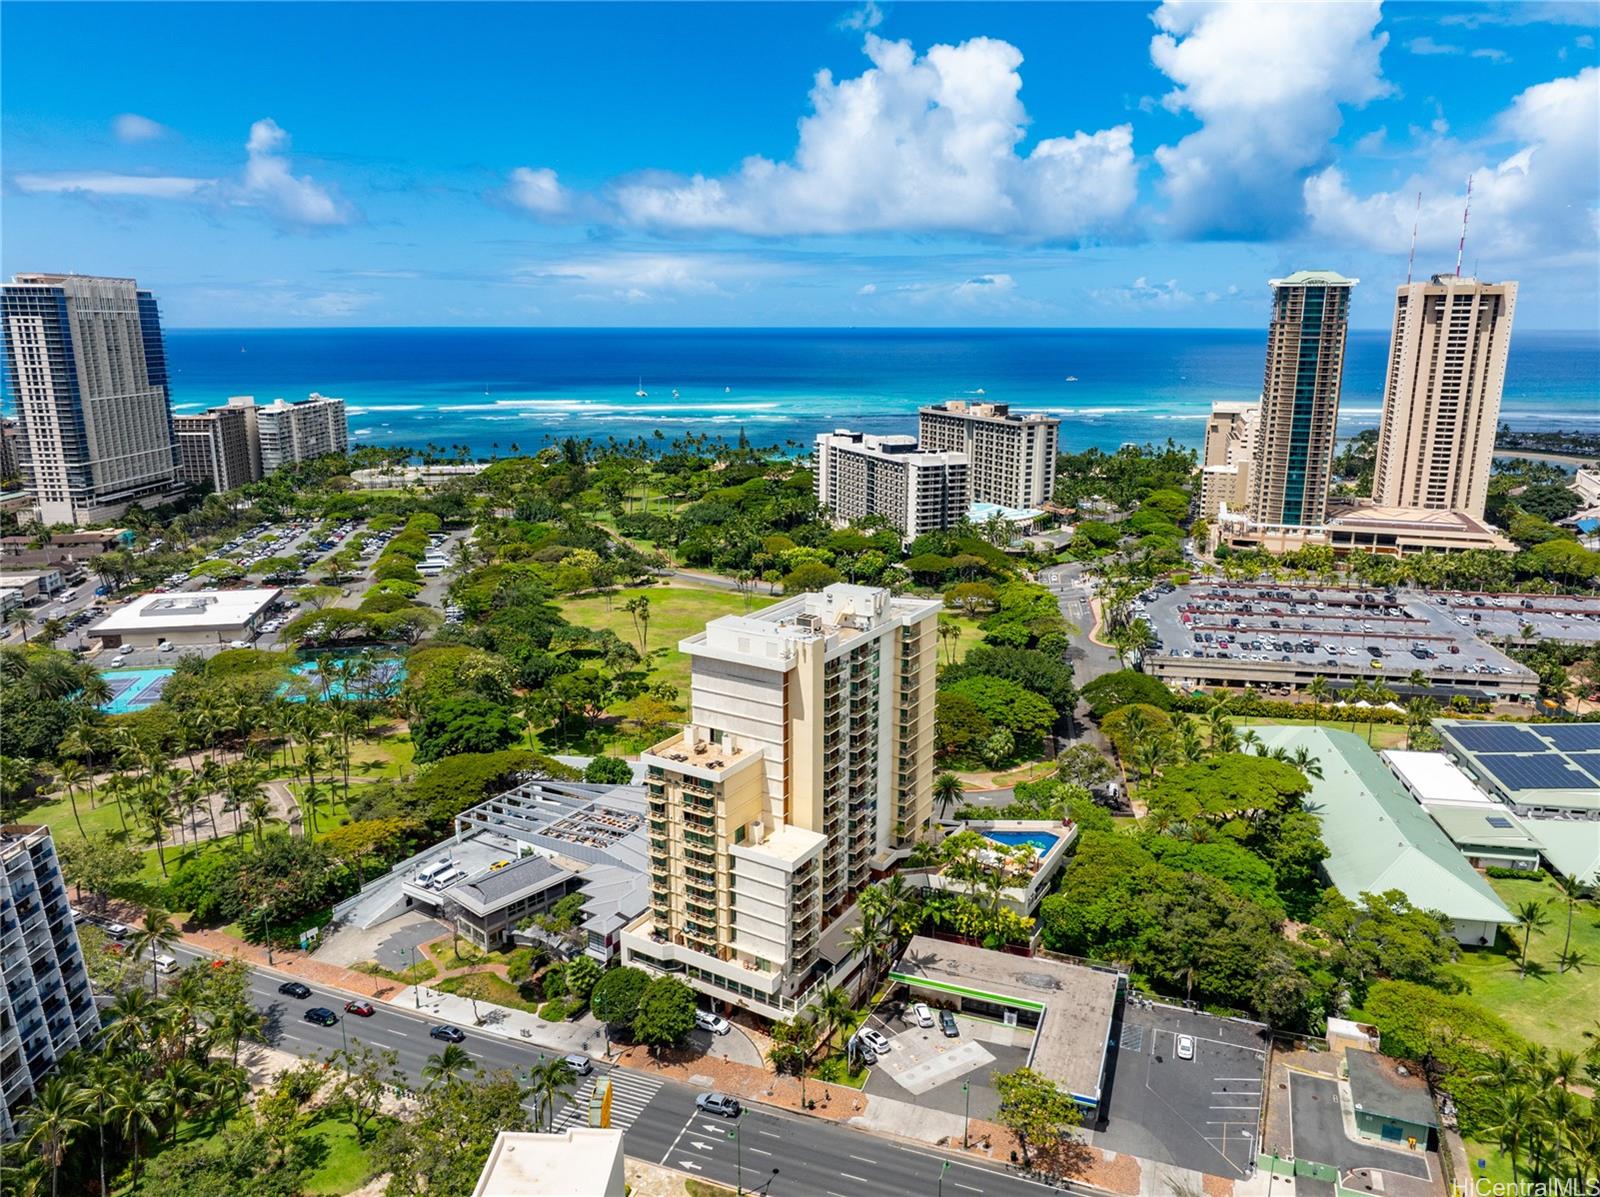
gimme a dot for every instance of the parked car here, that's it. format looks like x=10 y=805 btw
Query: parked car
x=359 y=1008
x=580 y=1065
x=874 y=1039
x=295 y=989
x=448 y=1034
x=922 y=1014
x=320 y=1015
x=947 y=1024
x=1185 y=1047
x=714 y=1023
x=722 y=1104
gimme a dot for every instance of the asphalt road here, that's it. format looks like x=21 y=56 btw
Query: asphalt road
x=775 y=1153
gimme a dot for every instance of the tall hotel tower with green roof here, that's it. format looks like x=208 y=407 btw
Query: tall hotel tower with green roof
x=1300 y=398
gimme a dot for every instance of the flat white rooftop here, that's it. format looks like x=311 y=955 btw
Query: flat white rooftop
x=1433 y=777
x=580 y=1162
x=187 y=611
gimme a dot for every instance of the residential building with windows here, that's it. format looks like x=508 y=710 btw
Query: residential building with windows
x=10 y=451
x=858 y=475
x=214 y=449
x=87 y=372
x=46 y=1005
x=1293 y=457
x=1225 y=462
x=1441 y=397
x=1011 y=459
x=807 y=765
x=291 y=432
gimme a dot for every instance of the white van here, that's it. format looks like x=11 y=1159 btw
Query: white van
x=437 y=869
x=166 y=964
x=449 y=879
x=66 y=596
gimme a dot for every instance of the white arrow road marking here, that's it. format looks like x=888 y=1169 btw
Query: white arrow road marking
x=699 y=1146
x=690 y=1164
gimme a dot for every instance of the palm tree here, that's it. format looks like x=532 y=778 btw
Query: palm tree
x=447 y=1066
x=1317 y=691
x=155 y=936
x=133 y=1110
x=57 y=1114
x=1531 y=917
x=1513 y=1116
x=69 y=773
x=838 y=1009
x=237 y=1021
x=947 y=791
x=98 y=1083
x=1250 y=739
x=548 y=1081
x=1302 y=760
x=868 y=938
x=1571 y=891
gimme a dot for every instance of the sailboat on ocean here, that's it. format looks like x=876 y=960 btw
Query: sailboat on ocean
x=641 y=393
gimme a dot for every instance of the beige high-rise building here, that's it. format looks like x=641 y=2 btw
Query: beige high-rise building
x=214 y=449
x=1441 y=399
x=1293 y=458
x=858 y=475
x=808 y=761
x=88 y=377
x=1230 y=445
x=1011 y=459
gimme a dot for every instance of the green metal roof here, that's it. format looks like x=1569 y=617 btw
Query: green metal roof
x=1483 y=826
x=1314 y=278
x=1572 y=846
x=1378 y=837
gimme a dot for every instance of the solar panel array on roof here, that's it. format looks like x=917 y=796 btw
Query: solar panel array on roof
x=1493 y=738
x=1589 y=762
x=1499 y=821
x=1534 y=771
x=1572 y=737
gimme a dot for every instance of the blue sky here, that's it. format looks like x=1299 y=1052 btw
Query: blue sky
x=797 y=164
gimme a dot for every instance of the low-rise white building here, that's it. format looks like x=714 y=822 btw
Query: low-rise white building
x=580 y=1162
x=196 y=617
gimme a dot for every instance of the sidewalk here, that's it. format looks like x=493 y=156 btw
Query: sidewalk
x=585 y=1035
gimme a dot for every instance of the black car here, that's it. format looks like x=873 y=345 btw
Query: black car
x=448 y=1034
x=947 y=1024
x=321 y=1015
x=295 y=989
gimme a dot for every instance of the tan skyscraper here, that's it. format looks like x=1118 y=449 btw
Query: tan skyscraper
x=1225 y=462
x=1441 y=400
x=807 y=763
x=1300 y=398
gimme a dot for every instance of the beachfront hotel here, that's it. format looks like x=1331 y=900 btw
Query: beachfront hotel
x=1293 y=457
x=87 y=371
x=214 y=449
x=1441 y=398
x=858 y=475
x=1225 y=460
x=807 y=765
x=1011 y=459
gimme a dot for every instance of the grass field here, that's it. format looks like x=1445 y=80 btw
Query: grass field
x=953 y=651
x=1384 y=735
x=495 y=989
x=1547 y=1006
x=676 y=611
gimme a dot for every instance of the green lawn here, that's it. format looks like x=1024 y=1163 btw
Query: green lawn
x=495 y=989
x=953 y=651
x=1547 y=1006
x=344 y=1167
x=1496 y=1167
x=676 y=611
x=1384 y=735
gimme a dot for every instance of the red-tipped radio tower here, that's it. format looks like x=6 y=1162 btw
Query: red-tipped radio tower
x=1412 y=260
x=1461 y=246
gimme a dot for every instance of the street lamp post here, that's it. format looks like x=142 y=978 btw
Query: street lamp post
x=416 y=985
x=966 y=1117
x=266 y=933
x=943 y=1168
x=738 y=1157
x=344 y=1040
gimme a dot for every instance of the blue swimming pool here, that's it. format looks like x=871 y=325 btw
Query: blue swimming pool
x=1041 y=840
x=134 y=689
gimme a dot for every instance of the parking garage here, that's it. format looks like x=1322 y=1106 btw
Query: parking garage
x=1265 y=634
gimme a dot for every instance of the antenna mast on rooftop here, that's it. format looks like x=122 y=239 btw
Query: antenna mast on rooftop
x=1461 y=246
x=1412 y=260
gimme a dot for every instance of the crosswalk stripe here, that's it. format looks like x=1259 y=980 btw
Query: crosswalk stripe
x=630 y=1094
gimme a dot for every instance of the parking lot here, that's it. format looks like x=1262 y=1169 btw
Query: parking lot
x=928 y=1068
x=1571 y=617
x=1202 y=1113
x=1221 y=633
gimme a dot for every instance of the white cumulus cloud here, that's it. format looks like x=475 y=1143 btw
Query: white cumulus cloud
x=1537 y=196
x=108 y=184
x=916 y=143
x=640 y=276
x=1266 y=80
x=538 y=191
x=130 y=127
x=1145 y=294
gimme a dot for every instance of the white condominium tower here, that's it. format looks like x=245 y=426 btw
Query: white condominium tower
x=1300 y=399
x=1225 y=462
x=1011 y=459
x=1441 y=400
x=859 y=475
x=46 y=1006
x=807 y=763
x=88 y=377
x=291 y=432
